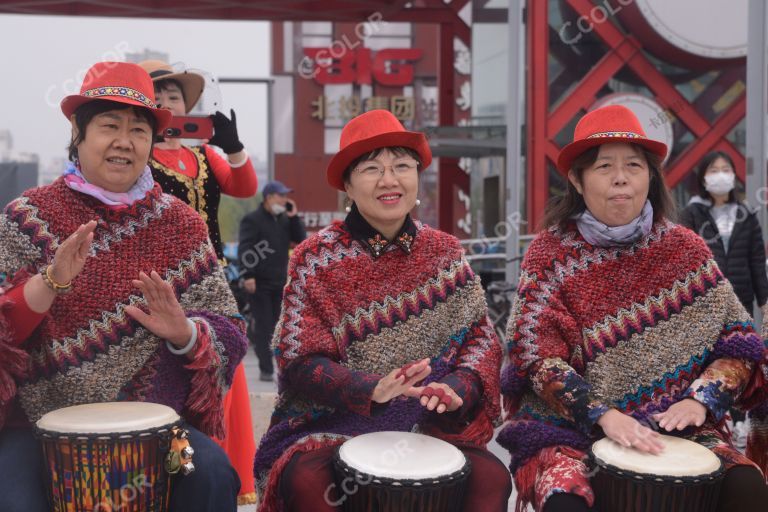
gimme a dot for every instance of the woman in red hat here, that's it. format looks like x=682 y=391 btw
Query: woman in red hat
x=198 y=176
x=383 y=327
x=623 y=327
x=149 y=317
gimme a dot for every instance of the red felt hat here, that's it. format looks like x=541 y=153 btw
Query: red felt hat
x=120 y=82
x=372 y=130
x=613 y=123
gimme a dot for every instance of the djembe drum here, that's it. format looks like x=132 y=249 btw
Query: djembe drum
x=109 y=457
x=685 y=477
x=400 y=471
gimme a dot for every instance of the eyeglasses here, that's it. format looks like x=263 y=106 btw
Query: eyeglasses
x=375 y=171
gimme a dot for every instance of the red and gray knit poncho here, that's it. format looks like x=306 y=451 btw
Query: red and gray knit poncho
x=356 y=307
x=87 y=349
x=635 y=328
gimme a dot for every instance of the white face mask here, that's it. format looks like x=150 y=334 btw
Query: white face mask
x=719 y=183
x=277 y=209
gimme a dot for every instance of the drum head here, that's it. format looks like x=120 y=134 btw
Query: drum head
x=680 y=458
x=401 y=455
x=108 y=418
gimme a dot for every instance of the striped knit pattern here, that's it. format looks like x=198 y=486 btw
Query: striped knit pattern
x=87 y=349
x=636 y=328
x=374 y=315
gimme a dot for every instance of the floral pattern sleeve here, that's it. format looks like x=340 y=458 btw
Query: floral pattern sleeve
x=329 y=383
x=719 y=384
x=541 y=338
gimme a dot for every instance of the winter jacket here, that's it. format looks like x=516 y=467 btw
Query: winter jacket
x=264 y=242
x=743 y=264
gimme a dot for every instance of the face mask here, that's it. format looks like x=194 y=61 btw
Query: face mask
x=277 y=209
x=719 y=183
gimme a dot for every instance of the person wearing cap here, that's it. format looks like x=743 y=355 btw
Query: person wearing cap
x=148 y=316
x=266 y=235
x=383 y=327
x=198 y=175
x=623 y=327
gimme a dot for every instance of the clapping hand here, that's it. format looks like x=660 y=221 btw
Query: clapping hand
x=166 y=318
x=400 y=380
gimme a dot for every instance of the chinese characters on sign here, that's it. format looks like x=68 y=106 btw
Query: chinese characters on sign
x=345 y=108
x=320 y=219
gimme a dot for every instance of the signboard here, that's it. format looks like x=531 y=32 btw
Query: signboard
x=391 y=67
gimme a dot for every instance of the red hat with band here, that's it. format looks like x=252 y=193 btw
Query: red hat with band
x=119 y=82
x=612 y=123
x=373 y=130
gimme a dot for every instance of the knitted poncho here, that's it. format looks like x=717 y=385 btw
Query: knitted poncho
x=87 y=349
x=636 y=328
x=356 y=308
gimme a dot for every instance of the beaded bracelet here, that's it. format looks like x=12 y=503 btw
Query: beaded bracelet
x=60 y=289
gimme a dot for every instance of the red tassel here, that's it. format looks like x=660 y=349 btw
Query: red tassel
x=14 y=364
x=757 y=444
x=478 y=433
x=205 y=405
x=269 y=501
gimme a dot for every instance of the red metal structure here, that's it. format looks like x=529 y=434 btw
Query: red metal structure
x=624 y=52
x=436 y=13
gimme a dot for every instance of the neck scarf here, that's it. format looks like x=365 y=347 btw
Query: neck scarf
x=76 y=181
x=597 y=233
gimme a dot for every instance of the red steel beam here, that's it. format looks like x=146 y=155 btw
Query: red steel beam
x=689 y=158
x=582 y=97
x=445 y=104
x=537 y=176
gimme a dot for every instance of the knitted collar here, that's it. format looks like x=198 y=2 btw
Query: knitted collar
x=374 y=241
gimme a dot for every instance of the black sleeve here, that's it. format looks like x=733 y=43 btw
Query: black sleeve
x=757 y=261
x=298 y=233
x=686 y=218
x=248 y=236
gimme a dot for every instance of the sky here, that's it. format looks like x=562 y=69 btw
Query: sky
x=45 y=57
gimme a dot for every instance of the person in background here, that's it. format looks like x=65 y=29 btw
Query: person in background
x=266 y=235
x=623 y=325
x=149 y=316
x=730 y=229
x=199 y=176
x=732 y=232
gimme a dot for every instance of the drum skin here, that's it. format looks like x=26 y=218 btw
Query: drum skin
x=108 y=465
x=365 y=491
x=655 y=483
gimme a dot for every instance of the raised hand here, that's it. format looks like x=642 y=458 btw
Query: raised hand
x=166 y=318
x=400 y=380
x=69 y=258
x=629 y=432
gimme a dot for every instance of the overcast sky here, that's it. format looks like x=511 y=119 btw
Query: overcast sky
x=45 y=57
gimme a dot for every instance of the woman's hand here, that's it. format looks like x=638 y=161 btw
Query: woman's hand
x=400 y=380
x=628 y=432
x=70 y=256
x=683 y=414
x=436 y=397
x=166 y=318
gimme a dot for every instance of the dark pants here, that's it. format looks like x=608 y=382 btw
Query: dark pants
x=743 y=490
x=212 y=487
x=265 y=311
x=307 y=482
